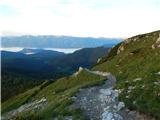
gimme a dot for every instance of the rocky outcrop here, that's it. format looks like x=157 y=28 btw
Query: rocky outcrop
x=157 y=43
x=79 y=70
x=33 y=106
x=99 y=59
x=120 y=49
x=158 y=73
x=137 y=79
x=126 y=41
x=100 y=73
x=131 y=39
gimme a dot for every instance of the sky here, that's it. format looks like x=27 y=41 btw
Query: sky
x=83 y=18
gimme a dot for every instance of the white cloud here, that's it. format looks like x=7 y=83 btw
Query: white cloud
x=97 y=18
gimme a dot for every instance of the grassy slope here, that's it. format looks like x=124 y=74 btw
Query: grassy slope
x=138 y=60
x=58 y=96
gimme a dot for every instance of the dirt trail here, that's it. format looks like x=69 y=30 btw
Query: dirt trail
x=101 y=102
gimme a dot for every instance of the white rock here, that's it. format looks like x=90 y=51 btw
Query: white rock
x=157 y=83
x=153 y=46
x=120 y=91
x=127 y=96
x=84 y=98
x=115 y=106
x=116 y=93
x=131 y=88
x=108 y=115
x=137 y=79
x=42 y=100
x=21 y=109
x=74 y=98
x=106 y=92
x=157 y=43
x=158 y=73
x=120 y=49
x=36 y=105
x=105 y=99
x=127 y=41
x=129 y=91
x=76 y=73
x=108 y=107
x=117 y=117
x=134 y=102
x=99 y=59
x=142 y=86
x=120 y=105
x=134 y=39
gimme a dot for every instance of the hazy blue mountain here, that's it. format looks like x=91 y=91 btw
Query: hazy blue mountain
x=12 y=55
x=57 y=41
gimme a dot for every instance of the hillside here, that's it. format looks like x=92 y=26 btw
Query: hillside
x=53 y=98
x=13 y=84
x=85 y=57
x=136 y=65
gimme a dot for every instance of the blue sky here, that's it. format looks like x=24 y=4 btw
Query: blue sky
x=96 y=18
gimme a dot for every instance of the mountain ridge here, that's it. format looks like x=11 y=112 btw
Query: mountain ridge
x=57 y=42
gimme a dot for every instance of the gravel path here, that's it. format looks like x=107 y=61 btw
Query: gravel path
x=101 y=102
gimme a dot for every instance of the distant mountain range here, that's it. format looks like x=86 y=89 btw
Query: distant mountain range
x=48 y=41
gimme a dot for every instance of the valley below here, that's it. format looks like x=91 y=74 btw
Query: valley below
x=21 y=70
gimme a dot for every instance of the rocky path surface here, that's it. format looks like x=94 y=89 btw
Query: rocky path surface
x=101 y=102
